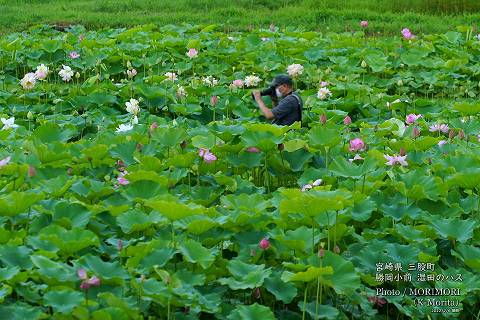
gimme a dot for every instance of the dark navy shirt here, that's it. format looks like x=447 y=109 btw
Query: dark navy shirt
x=288 y=110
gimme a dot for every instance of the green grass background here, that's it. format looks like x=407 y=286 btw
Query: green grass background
x=384 y=16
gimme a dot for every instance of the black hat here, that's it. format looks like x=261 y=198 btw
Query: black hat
x=282 y=79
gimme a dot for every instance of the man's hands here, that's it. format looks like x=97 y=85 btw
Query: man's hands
x=258 y=98
x=256 y=95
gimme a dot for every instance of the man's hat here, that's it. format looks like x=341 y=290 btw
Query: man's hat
x=282 y=79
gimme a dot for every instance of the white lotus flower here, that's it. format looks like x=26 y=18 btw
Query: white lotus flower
x=323 y=93
x=210 y=81
x=252 y=81
x=41 y=72
x=294 y=70
x=135 y=120
x=66 y=73
x=181 y=93
x=8 y=123
x=28 y=81
x=171 y=76
x=124 y=127
x=132 y=106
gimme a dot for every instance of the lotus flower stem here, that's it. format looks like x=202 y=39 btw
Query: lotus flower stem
x=319 y=290
x=304 y=301
x=363 y=183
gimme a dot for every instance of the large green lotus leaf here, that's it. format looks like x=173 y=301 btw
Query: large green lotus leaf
x=344 y=278
x=321 y=311
x=313 y=202
x=63 y=301
x=312 y=273
x=51 y=45
x=101 y=98
x=56 y=187
x=467 y=108
x=51 y=132
x=21 y=311
x=341 y=167
x=469 y=254
x=206 y=141
x=145 y=189
x=194 y=252
x=174 y=210
x=398 y=210
x=134 y=220
x=169 y=137
x=157 y=289
x=297 y=159
x=16 y=202
x=323 y=136
x=96 y=152
x=5 y=291
x=102 y=269
x=314 y=54
x=454 y=228
x=376 y=60
x=264 y=140
x=415 y=185
x=110 y=313
x=201 y=225
x=54 y=270
x=251 y=312
x=75 y=213
x=124 y=152
x=69 y=241
x=468 y=179
x=113 y=301
x=19 y=256
x=157 y=257
x=8 y=272
x=283 y=291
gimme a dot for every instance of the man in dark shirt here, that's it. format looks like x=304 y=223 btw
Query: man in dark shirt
x=289 y=108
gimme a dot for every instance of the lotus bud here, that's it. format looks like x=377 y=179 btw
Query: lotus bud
x=183 y=145
x=106 y=177
x=400 y=83
x=461 y=134
x=139 y=147
x=214 y=100
x=77 y=75
x=256 y=293
x=272 y=27
x=129 y=65
x=264 y=244
x=363 y=64
x=280 y=146
x=347 y=120
x=70 y=171
x=321 y=253
x=451 y=133
x=402 y=152
x=328 y=70
x=31 y=171
x=14 y=110
x=336 y=249
x=323 y=118
x=29 y=115
x=119 y=245
x=416 y=132
x=253 y=253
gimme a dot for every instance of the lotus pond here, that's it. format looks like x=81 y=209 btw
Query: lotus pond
x=138 y=179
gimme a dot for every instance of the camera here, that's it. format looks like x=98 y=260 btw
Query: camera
x=270 y=91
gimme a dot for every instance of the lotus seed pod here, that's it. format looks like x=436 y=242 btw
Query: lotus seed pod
x=106 y=178
x=363 y=64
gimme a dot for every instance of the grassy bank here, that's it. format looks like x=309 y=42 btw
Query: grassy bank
x=384 y=16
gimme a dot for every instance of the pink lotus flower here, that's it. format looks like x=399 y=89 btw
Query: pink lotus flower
x=238 y=83
x=363 y=24
x=119 y=245
x=411 y=118
x=192 y=53
x=74 y=55
x=253 y=150
x=323 y=84
x=5 y=161
x=347 y=121
x=81 y=37
x=377 y=301
x=214 y=100
x=439 y=127
x=407 y=34
x=207 y=156
x=393 y=160
x=153 y=126
x=357 y=157
x=82 y=274
x=357 y=144
x=121 y=180
x=94 y=281
x=264 y=244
